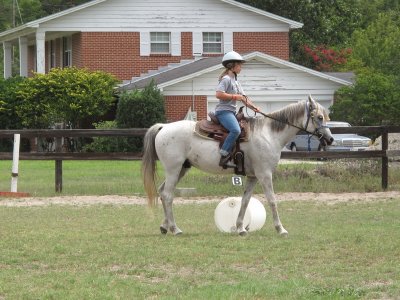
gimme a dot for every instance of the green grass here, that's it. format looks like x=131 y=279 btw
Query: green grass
x=123 y=178
x=340 y=251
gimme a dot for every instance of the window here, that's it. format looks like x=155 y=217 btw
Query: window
x=212 y=42
x=67 y=51
x=160 y=42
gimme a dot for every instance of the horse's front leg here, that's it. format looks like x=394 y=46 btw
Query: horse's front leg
x=266 y=183
x=250 y=183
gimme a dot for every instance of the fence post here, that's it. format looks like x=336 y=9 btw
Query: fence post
x=385 y=159
x=14 y=171
x=58 y=162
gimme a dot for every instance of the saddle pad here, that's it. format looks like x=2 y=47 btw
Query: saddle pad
x=217 y=132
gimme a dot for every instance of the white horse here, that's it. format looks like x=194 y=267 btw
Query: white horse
x=178 y=148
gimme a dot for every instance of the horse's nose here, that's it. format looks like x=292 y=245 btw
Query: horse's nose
x=331 y=140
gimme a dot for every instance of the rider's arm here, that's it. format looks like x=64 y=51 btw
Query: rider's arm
x=228 y=97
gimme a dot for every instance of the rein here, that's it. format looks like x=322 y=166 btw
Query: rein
x=319 y=135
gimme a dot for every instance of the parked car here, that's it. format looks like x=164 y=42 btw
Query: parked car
x=342 y=142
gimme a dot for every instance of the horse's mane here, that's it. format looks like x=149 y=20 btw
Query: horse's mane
x=288 y=114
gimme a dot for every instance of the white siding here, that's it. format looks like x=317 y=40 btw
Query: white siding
x=270 y=87
x=178 y=15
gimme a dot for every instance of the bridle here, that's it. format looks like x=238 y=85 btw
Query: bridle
x=310 y=117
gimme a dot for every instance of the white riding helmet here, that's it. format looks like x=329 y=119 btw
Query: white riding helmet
x=230 y=57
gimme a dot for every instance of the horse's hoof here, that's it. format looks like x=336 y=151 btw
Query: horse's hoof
x=243 y=233
x=163 y=230
x=176 y=231
x=284 y=233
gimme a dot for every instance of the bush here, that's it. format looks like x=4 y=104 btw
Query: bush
x=8 y=106
x=8 y=103
x=140 y=109
x=107 y=144
x=64 y=96
x=135 y=109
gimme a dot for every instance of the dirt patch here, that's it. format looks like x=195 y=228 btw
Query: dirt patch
x=330 y=198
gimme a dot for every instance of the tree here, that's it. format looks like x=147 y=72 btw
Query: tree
x=326 y=22
x=323 y=59
x=375 y=97
x=378 y=45
x=373 y=100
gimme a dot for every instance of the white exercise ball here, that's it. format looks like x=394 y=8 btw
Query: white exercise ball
x=227 y=211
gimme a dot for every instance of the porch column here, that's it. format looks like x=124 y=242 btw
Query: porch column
x=23 y=56
x=40 y=53
x=7 y=51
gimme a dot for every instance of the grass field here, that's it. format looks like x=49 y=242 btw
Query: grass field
x=123 y=178
x=340 y=251
x=343 y=250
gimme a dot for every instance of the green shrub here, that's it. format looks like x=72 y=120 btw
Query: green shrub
x=66 y=95
x=140 y=109
x=107 y=144
x=8 y=106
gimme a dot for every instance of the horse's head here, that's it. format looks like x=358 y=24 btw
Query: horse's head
x=316 y=121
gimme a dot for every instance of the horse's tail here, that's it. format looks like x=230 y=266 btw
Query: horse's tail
x=149 y=163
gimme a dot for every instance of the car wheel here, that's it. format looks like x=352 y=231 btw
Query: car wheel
x=293 y=147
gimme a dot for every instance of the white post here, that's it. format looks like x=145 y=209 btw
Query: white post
x=23 y=56
x=7 y=48
x=14 y=172
x=40 y=52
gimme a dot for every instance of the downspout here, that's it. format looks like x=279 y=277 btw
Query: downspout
x=192 y=95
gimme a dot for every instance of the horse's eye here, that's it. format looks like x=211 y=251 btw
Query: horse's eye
x=320 y=118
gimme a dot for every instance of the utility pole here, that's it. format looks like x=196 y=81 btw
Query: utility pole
x=13 y=9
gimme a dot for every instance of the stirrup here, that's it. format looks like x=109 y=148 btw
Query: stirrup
x=239 y=160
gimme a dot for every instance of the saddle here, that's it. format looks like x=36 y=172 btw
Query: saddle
x=214 y=130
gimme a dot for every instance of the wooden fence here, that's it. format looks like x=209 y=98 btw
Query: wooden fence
x=58 y=156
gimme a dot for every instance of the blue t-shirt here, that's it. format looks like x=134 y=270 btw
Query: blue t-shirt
x=231 y=86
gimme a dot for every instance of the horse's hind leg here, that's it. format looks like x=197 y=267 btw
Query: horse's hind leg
x=164 y=225
x=250 y=183
x=166 y=192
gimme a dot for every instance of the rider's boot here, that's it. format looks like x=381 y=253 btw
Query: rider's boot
x=225 y=162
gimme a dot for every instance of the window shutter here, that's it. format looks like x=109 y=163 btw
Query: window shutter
x=175 y=43
x=145 y=44
x=197 y=43
x=228 y=42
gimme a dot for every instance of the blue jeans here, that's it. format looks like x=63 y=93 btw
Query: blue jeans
x=229 y=121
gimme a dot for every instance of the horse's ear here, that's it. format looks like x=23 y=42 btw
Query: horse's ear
x=311 y=99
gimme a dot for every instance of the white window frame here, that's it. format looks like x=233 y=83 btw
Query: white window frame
x=162 y=39
x=211 y=39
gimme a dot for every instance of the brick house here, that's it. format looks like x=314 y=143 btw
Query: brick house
x=135 y=40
